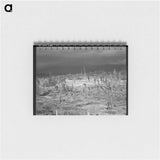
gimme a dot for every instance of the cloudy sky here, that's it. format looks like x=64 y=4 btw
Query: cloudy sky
x=48 y=58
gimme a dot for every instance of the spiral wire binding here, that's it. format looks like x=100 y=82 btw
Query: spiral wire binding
x=80 y=44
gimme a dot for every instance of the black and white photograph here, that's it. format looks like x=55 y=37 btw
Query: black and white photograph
x=80 y=79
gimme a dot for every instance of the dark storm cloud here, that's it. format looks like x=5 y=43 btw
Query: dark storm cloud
x=53 y=58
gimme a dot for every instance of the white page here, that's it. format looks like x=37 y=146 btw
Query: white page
x=28 y=136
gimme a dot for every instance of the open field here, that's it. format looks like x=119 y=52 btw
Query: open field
x=93 y=93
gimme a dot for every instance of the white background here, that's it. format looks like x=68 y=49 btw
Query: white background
x=28 y=136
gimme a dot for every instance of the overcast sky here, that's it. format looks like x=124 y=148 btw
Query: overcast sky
x=71 y=57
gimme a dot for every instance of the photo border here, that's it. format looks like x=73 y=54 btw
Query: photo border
x=76 y=44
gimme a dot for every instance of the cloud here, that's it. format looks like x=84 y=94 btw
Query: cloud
x=62 y=58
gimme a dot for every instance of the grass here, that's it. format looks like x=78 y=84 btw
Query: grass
x=79 y=94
